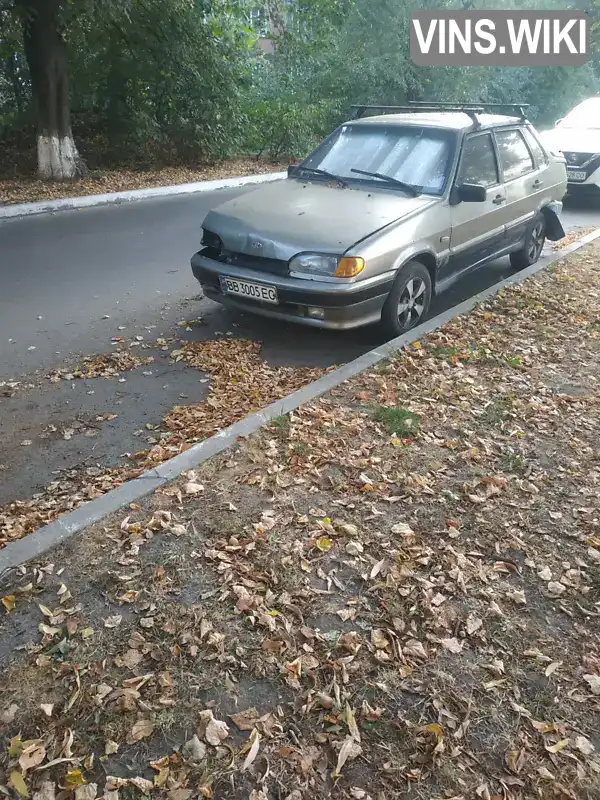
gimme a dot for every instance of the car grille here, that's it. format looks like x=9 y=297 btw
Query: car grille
x=577 y=159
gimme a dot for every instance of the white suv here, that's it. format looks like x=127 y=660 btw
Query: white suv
x=577 y=136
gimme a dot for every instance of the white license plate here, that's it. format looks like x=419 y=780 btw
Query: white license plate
x=576 y=175
x=251 y=291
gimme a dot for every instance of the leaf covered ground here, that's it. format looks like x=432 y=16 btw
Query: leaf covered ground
x=103 y=181
x=393 y=592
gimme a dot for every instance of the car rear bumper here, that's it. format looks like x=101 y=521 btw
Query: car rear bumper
x=321 y=304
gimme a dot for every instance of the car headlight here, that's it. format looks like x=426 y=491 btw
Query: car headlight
x=322 y=264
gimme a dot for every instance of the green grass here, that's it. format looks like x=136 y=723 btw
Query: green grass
x=513 y=462
x=514 y=361
x=397 y=420
x=282 y=426
x=300 y=449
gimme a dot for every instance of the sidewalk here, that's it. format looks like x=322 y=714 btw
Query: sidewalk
x=394 y=592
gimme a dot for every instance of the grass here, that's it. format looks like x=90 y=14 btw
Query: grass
x=398 y=420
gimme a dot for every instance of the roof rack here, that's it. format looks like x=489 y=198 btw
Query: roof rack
x=415 y=109
x=471 y=109
x=517 y=108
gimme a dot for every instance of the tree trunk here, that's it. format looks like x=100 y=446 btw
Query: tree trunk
x=46 y=55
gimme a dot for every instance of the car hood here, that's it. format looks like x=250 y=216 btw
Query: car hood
x=292 y=216
x=573 y=140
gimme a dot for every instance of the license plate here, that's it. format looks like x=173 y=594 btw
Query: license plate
x=576 y=175
x=251 y=291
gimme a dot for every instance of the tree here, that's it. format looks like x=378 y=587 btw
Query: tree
x=46 y=54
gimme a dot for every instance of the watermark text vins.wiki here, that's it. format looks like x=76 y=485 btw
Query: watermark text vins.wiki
x=499 y=38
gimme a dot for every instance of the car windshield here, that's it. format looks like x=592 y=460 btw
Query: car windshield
x=585 y=115
x=419 y=157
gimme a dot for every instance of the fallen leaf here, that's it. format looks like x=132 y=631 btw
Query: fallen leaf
x=214 y=730
x=349 y=749
x=15 y=779
x=253 y=752
x=141 y=730
x=245 y=720
x=453 y=645
x=73 y=779
x=379 y=639
x=194 y=751
x=324 y=544
x=143 y=784
x=556 y=748
x=193 y=488
x=583 y=744
x=551 y=668
x=594 y=683
x=47 y=791
x=32 y=756
x=86 y=792
x=8 y=602
x=47 y=708
x=9 y=714
x=556 y=589
x=113 y=622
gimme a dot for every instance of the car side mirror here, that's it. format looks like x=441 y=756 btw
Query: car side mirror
x=292 y=170
x=471 y=193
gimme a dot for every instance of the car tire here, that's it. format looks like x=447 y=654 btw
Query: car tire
x=408 y=301
x=534 y=244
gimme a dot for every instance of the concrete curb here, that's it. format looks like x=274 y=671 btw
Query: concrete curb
x=64 y=204
x=64 y=527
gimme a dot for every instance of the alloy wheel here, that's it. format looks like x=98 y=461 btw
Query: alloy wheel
x=536 y=242
x=411 y=304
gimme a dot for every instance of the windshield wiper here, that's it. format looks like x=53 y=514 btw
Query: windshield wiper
x=326 y=174
x=388 y=178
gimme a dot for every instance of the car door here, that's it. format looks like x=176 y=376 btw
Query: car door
x=477 y=229
x=523 y=181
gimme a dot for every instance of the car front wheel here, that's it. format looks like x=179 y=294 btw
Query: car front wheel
x=534 y=244
x=408 y=301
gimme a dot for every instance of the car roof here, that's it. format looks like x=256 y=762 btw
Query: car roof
x=452 y=120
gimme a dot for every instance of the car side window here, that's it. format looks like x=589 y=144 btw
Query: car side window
x=478 y=163
x=515 y=157
x=535 y=147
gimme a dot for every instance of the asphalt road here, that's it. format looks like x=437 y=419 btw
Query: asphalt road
x=71 y=281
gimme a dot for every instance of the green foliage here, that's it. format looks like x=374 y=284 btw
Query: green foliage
x=177 y=81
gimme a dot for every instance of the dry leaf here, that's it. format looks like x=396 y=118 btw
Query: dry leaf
x=113 y=622
x=8 y=602
x=32 y=756
x=141 y=730
x=593 y=682
x=214 y=731
x=143 y=784
x=556 y=748
x=453 y=645
x=194 y=751
x=86 y=792
x=47 y=708
x=551 y=668
x=583 y=744
x=347 y=750
x=245 y=720
x=47 y=791
x=253 y=752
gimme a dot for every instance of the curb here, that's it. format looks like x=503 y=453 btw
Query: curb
x=41 y=540
x=16 y=210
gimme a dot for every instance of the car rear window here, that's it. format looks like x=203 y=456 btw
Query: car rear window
x=421 y=157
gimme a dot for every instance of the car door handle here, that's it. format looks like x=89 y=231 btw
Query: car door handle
x=537 y=183
x=498 y=199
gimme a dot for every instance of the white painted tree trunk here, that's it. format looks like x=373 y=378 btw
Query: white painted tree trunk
x=58 y=159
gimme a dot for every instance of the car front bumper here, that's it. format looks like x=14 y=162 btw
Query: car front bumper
x=341 y=305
